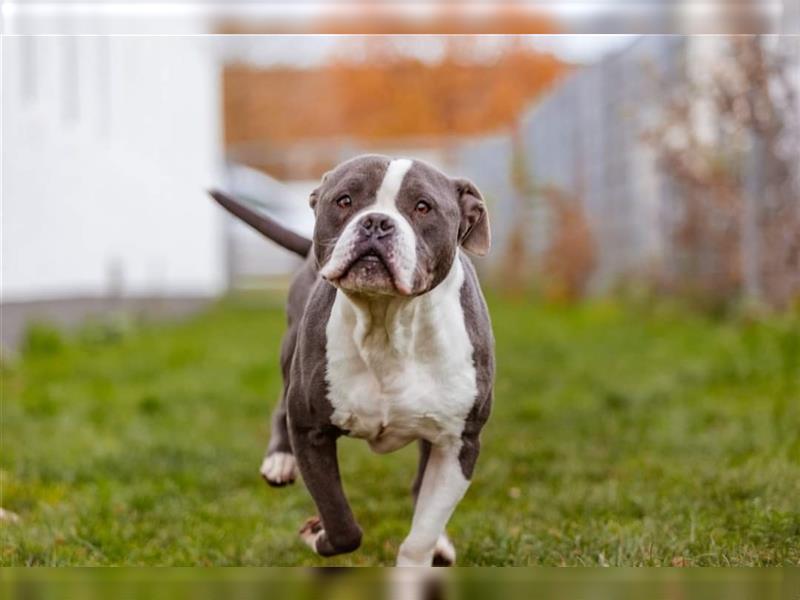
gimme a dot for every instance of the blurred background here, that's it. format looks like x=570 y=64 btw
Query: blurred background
x=609 y=161
x=644 y=194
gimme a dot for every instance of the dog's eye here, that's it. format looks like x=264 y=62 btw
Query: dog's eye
x=422 y=207
x=344 y=202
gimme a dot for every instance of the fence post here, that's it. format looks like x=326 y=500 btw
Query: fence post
x=750 y=246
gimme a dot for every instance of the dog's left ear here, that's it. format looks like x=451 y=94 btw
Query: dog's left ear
x=474 y=233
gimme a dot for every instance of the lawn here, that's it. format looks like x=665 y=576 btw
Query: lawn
x=620 y=435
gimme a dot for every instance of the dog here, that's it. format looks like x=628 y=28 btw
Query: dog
x=389 y=340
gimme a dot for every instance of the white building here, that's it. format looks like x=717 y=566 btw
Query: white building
x=108 y=146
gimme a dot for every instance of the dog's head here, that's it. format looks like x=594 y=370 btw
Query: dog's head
x=393 y=227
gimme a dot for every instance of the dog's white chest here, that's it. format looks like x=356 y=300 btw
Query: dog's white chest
x=414 y=378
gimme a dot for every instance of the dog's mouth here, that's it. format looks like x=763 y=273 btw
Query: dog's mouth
x=369 y=272
x=371 y=260
x=370 y=256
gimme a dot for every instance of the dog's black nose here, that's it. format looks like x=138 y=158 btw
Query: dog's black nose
x=377 y=224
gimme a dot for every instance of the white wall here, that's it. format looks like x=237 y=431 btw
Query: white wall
x=108 y=146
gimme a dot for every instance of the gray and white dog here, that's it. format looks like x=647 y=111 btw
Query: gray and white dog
x=389 y=340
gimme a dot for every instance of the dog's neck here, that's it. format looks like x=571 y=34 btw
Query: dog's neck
x=397 y=322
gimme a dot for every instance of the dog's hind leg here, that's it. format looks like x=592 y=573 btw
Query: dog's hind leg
x=444 y=554
x=279 y=468
x=424 y=453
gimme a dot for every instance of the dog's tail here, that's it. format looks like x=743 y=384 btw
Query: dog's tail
x=266 y=226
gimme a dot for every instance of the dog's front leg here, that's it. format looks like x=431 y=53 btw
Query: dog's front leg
x=336 y=530
x=443 y=486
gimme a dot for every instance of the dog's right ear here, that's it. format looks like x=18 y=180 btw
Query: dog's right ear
x=315 y=193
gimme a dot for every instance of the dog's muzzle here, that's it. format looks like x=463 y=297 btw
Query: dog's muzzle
x=367 y=257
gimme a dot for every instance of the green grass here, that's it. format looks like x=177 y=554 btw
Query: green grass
x=619 y=436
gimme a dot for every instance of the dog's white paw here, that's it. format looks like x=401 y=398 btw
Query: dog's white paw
x=444 y=555
x=279 y=468
x=311 y=531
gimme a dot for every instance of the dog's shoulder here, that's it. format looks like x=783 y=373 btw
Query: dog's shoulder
x=479 y=329
x=476 y=313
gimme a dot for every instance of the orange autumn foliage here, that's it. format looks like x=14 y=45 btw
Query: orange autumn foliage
x=390 y=96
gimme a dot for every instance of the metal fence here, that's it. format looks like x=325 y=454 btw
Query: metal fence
x=585 y=140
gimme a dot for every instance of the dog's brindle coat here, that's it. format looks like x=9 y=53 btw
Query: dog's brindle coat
x=389 y=340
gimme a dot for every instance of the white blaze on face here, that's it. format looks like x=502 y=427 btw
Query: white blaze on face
x=391 y=184
x=404 y=255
